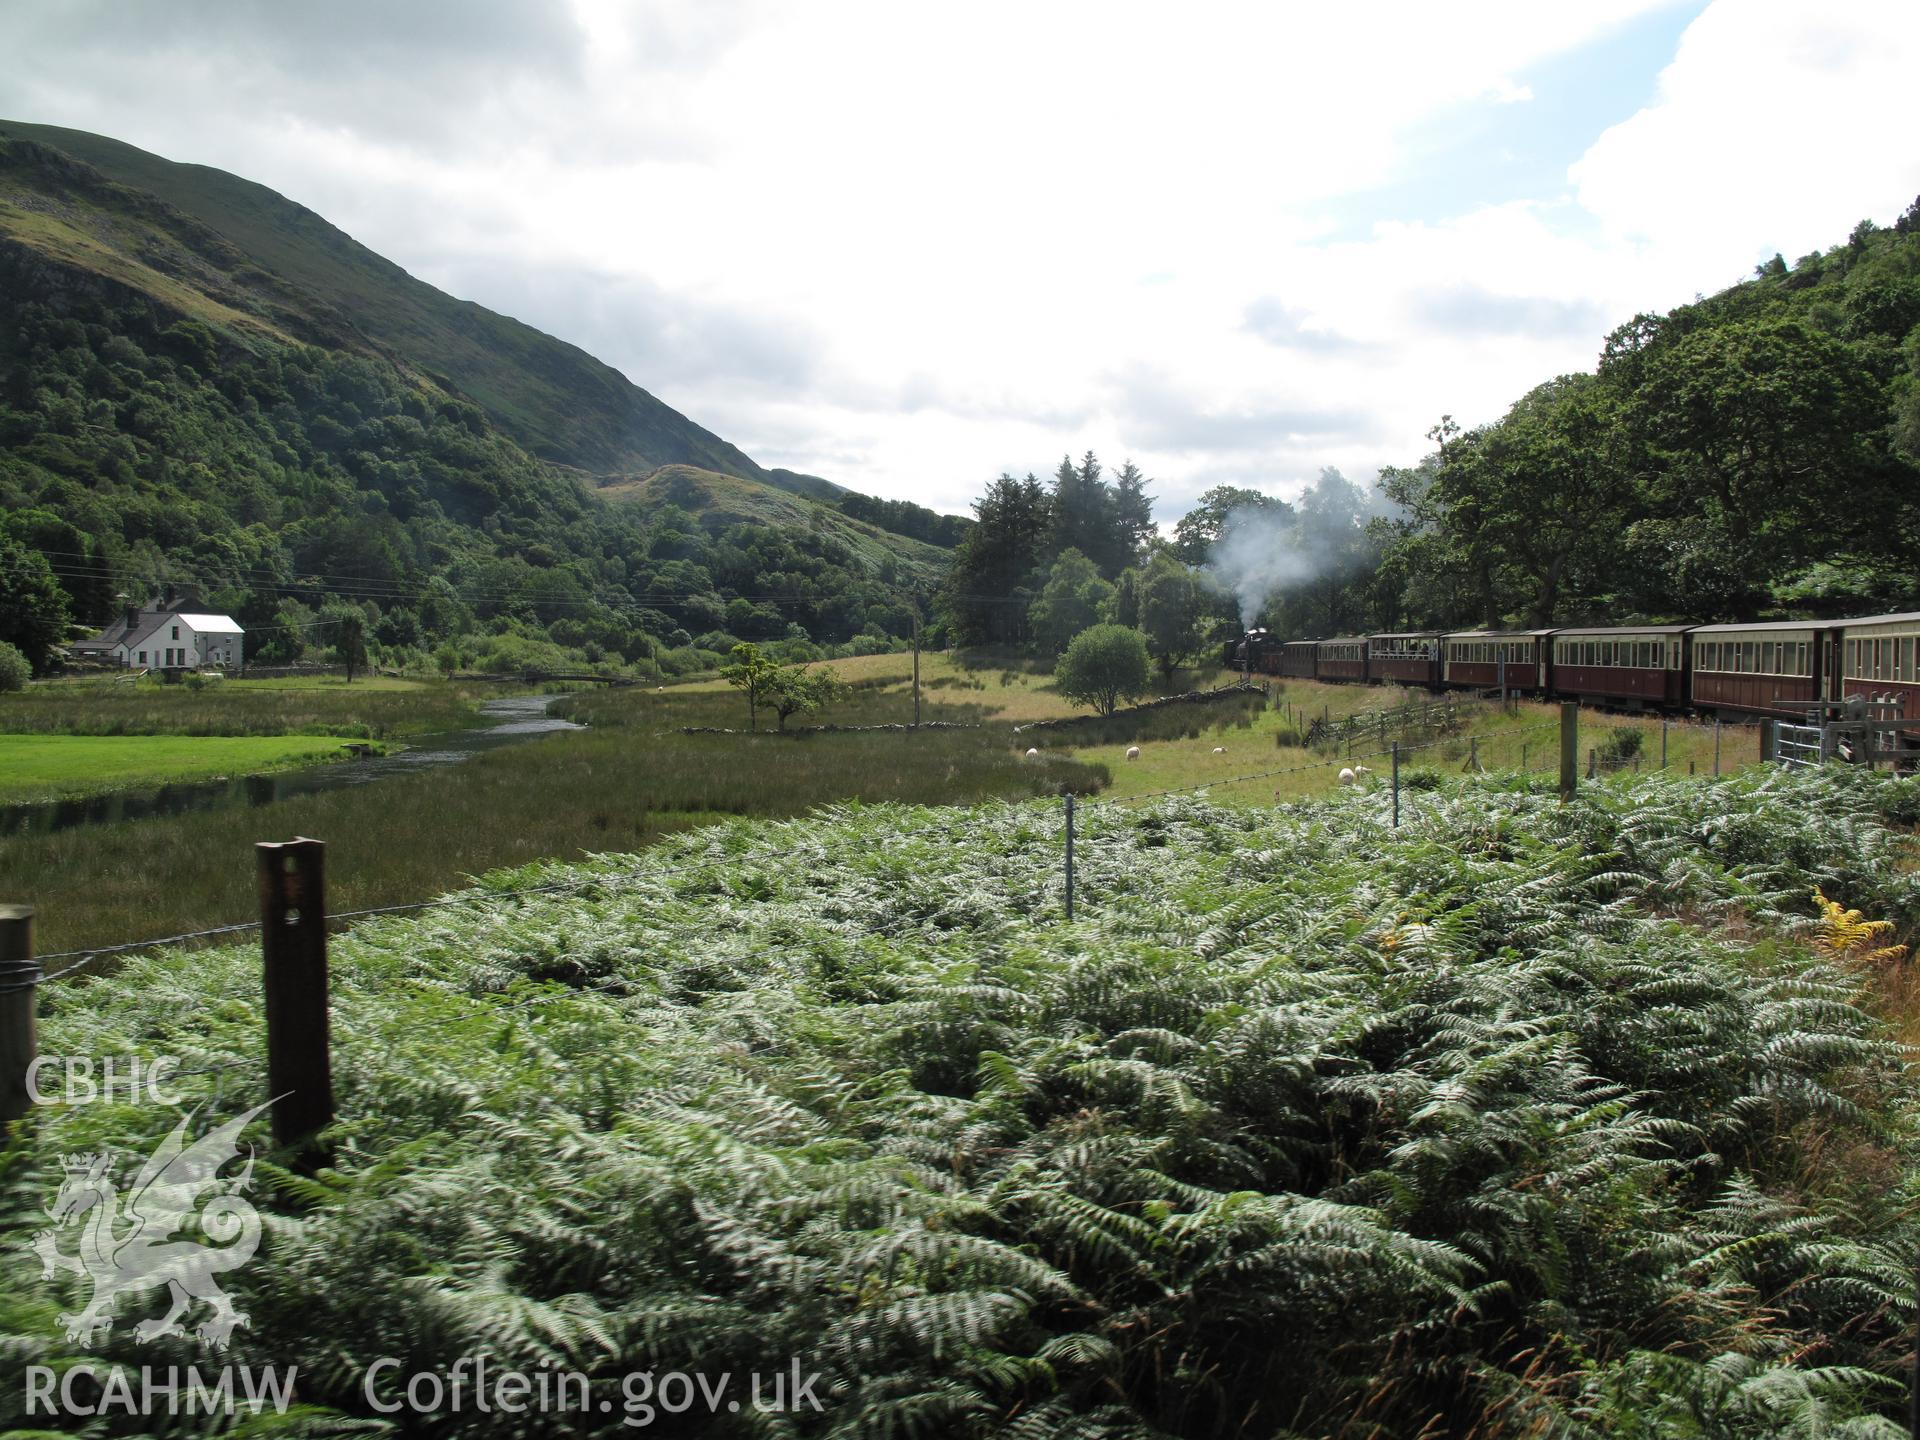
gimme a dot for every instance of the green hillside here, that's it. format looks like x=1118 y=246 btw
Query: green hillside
x=266 y=256
x=203 y=384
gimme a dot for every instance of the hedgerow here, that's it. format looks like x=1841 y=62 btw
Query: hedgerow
x=1524 y=1119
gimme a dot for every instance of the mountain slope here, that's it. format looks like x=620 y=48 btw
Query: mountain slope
x=266 y=412
x=557 y=401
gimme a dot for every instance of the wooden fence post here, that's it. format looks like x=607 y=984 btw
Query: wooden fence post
x=1569 y=750
x=293 y=948
x=19 y=988
x=1396 y=785
x=1767 y=741
x=1663 y=742
x=1069 y=855
x=1716 y=746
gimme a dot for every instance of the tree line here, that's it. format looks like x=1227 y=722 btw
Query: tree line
x=1754 y=453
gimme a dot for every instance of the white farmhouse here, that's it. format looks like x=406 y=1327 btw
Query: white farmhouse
x=169 y=639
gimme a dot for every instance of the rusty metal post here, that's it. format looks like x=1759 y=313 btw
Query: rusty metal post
x=293 y=948
x=19 y=988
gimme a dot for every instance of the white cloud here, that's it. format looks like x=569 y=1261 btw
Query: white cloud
x=908 y=248
x=1777 y=126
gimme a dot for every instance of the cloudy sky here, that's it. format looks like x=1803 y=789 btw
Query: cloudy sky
x=907 y=246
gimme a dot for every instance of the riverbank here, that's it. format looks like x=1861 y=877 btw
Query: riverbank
x=40 y=769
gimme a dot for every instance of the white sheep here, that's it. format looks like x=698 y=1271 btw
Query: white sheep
x=1347 y=777
x=1033 y=754
x=1361 y=770
x=1133 y=752
x=1219 y=749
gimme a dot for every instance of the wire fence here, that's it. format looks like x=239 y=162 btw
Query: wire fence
x=1475 y=752
x=293 y=935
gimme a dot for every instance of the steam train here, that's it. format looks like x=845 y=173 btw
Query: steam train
x=1775 y=668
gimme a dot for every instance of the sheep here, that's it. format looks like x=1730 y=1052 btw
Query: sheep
x=1361 y=770
x=1133 y=752
x=1219 y=749
x=1347 y=777
x=1033 y=754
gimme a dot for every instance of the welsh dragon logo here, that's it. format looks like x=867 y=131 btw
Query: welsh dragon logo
x=129 y=1243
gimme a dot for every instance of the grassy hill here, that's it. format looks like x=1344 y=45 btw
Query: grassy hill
x=206 y=384
x=252 y=251
x=720 y=502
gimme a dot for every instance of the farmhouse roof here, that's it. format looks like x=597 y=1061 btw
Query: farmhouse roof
x=146 y=622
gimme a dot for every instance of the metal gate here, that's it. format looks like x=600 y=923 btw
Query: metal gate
x=1801 y=745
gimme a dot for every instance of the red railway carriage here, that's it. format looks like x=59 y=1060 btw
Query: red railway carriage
x=1473 y=659
x=1297 y=658
x=1636 y=665
x=1877 y=658
x=1344 y=658
x=1777 y=668
x=1412 y=658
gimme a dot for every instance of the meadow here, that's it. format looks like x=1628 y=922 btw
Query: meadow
x=1524 y=1119
x=610 y=788
x=631 y=778
x=370 y=708
x=40 y=767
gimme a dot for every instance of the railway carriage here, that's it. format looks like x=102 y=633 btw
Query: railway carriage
x=1297 y=658
x=1777 y=668
x=1411 y=657
x=1343 y=658
x=1875 y=659
x=1474 y=660
x=1632 y=665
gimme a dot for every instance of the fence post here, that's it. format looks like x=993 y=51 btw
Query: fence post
x=1593 y=763
x=293 y=950
x=1069 y=855
x=1768 y=740
x=1473 y=752
x=1524 y=744
x=1716 y=747
x=1663 y=742
x=19 y=987
x=1396 y=784
x=1569 y=750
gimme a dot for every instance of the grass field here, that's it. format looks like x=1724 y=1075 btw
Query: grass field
x=375 y=707
x=1004 y=695
x=632 y=777
x=1526 y=737
x=611 y=788
x=51 y=767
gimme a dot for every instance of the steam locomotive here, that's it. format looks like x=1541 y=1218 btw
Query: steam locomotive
x=1776 y=668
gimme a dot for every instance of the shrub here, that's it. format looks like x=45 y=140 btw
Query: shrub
x=1104 y=666
x=14 y=669
x=1621 y=746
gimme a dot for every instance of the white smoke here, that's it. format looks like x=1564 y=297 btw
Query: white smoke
x=1260 y=555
